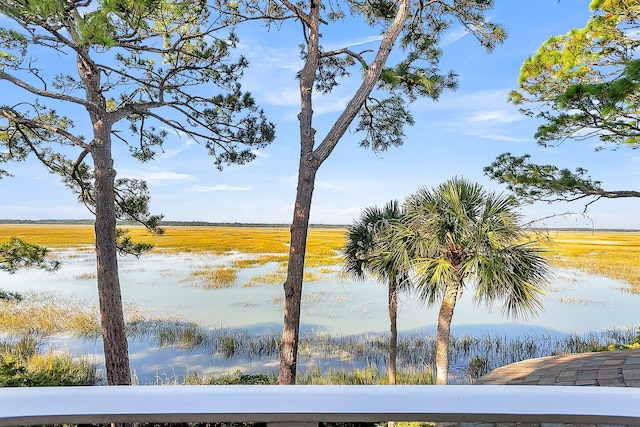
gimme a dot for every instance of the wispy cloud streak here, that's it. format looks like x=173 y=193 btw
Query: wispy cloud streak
x=219 y=187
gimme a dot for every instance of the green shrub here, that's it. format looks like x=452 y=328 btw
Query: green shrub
x=634 y=344
x=22 y=365
x=478 y=366
x=237 y=378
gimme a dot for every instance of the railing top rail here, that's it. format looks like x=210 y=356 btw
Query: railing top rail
x=482 y=403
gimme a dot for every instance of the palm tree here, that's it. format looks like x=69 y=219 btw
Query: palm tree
x=365 y=253
x=468 y=237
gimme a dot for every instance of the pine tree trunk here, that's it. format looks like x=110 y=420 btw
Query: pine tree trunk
x=443 y=335
x=116 y=351
x=302 y=210
x=114 y=337
x=310 y=161
x=393 y=338
x=295 y=271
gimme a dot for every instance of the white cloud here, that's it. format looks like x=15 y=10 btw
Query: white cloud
x=322 y=104
x=219 y=187
x=283 y=97
x=176 y=132
x=457 y=34
x=498 y=137
x=453 y=36
x=152 y=175
x=167 y=154
x=259 y=153
x=325 y=105
x=351 y=212
x=325 y=184
x=483 y=114
x=280 y=59
x=497 y=116
x=283 y=57
x=352 y=43
x=481 y=100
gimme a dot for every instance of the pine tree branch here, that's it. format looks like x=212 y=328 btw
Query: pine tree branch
x=48 y=94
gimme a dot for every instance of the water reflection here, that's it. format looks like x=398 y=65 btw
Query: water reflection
x=165 y=286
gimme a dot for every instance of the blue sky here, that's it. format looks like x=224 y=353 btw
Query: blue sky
x=456 y=136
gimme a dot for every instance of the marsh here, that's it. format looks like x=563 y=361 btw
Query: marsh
x=181 y=325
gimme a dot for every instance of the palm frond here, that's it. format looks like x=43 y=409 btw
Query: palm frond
x=368 y=248
x=468 y=235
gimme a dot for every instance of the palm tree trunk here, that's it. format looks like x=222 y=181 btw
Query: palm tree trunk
x=443 y=336
x=393 y=338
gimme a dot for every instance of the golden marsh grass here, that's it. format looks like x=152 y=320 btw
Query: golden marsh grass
x=269 y=244
x=278 y=278
x=266 y=279
x=606 y=253
x=48 y=314
x=219 y=277
x=612 y=254
x=51 y=236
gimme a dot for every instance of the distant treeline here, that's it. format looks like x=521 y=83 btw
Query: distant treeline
x=47 y=221
x=248 y=224
x=162 y=223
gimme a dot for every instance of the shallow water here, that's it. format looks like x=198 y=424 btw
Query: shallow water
x=164 y=285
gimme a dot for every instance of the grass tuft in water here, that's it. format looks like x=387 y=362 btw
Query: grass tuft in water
x=278 y=278
x=48 y=314
x=371 y=375
x=219 y=277
x=316 y=376
x=187 y=336
x=470 y=356
x=266 y=279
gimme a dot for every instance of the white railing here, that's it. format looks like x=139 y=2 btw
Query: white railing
x=313 y=404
